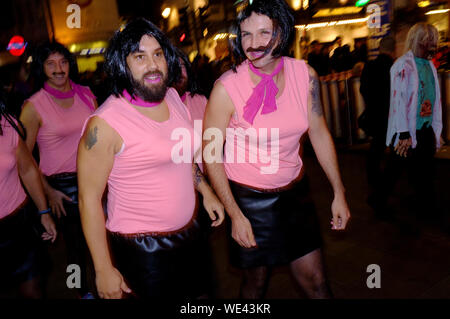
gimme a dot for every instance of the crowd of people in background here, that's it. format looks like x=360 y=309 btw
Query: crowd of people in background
x=325 y=57
x=334 y=57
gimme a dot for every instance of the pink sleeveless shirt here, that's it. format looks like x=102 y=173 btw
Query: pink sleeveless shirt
x=11 y=191
x=266 y=154
x=196 y=105
x=148 y=190
x=59 y=135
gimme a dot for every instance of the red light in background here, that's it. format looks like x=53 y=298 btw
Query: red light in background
x=16 y=45
x=183 y=36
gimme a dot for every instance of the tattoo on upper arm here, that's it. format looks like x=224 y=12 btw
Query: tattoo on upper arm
x=314 y=90
x=91 y=138
x=197 y=175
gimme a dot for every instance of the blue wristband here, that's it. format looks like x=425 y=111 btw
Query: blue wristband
x=45 y=211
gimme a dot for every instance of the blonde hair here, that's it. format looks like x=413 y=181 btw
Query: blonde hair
x=420 y=33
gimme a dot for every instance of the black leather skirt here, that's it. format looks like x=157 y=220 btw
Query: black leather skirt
x=162 y=265
x=20 y=260
x=284 y=223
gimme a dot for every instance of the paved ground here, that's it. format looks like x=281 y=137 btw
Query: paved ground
x=414 y=256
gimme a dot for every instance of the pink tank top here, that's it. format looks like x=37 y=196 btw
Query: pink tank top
x=196 y=106
x=148 y=190
x=11 y=191
x=266 y=154
x=59 y=135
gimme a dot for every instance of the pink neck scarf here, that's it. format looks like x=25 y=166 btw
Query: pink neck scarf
x=267 y=86
x=184 y=96
x=138 y=101
x=81 y=91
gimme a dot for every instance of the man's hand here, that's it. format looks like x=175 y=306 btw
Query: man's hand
x=242 y=233
x=403 y=147
x=341 y=213
x=55 y=200
x=214 y=208
x=49 y=225
x=110 y=284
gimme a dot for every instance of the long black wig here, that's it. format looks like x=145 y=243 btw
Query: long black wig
x=283 y=25
x=41 y=54
x=10 y=118
x=126 y=41
x=192 y=86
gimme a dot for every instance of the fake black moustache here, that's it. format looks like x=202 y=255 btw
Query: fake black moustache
x=258 y=49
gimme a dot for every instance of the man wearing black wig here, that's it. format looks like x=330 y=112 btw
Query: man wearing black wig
x=152 y=224
x=272 y=219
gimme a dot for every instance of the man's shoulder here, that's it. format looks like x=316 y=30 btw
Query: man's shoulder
x=36 y=95
x=298 y=68
x=86 y=90
x=232 y=75
x=293 y=63
x=110 y=105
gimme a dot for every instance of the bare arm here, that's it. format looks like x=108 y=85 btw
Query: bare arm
x=323 y=145
x=30 y=176
x=210 y=201
x=32 y=122
x=96 y=152
x=217 y=116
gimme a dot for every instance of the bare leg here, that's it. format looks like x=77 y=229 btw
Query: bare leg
x=309 y=273
x=255 y=282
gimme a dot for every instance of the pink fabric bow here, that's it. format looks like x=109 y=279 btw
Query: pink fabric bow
x=76 y=89
x=264 y=93
x=138 y=101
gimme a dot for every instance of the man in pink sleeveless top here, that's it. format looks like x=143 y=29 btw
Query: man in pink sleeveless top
x=192 y=96
x=131 y=145
x=20 y=263
x=54 y=117
x=272 y=218
x=189 y=90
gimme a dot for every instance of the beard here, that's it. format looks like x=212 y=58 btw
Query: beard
x=155 y=93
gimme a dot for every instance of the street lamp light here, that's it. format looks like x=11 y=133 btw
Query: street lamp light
x=166 y=13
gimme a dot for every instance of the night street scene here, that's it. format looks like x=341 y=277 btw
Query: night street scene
x=196 y=151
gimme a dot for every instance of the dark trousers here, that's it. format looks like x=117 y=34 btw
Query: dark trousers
x=21 y=256
x=374 y=163
x=420 y=168
x=76 y=247
x=70 y=227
